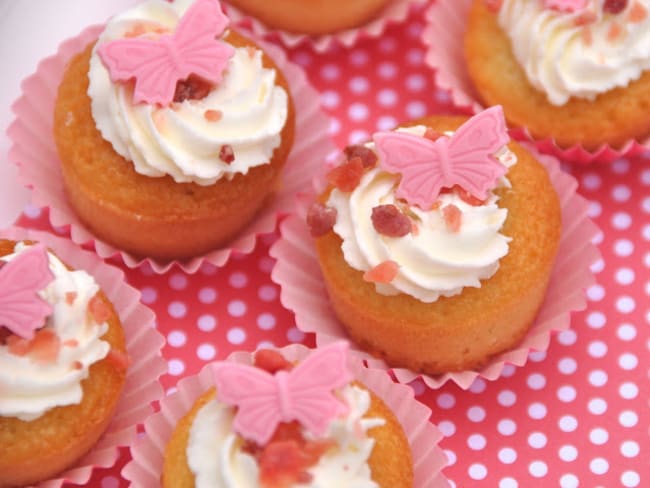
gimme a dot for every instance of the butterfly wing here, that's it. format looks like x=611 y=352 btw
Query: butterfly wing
x=255 y=393
x=420 y=161
x=311 y=383
x=472 y=148
x=198 y=50
x=21 y=309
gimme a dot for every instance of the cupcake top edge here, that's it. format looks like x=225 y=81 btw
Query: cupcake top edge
x=421 y=217
x=51 y=327
x=174 y=96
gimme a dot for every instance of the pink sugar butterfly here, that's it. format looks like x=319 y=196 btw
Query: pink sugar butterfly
x=158 y=64
x=303 y=393
x=22 y=311
x=565 y=5
x=465 y=159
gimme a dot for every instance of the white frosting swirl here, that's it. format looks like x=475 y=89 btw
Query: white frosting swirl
x=564 y=59
x=215 y=457
x=435 y=261
x=179 y=140
x=28 y=388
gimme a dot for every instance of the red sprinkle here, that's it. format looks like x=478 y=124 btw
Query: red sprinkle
x=71 y=343
x=382 y=273
x=45 y=346
x=118 y=359
x=615 y=31
x=70 y=297
x=493 y=5
x=432 y=134
x=346 y=176
x=637 y=13
x=212 y=115
x=452 y=215
x=17 y=345
x=389 y=221
x=271 y=361
x=99 y=310
x=191 y=88
x=77 y=365
x=585 y=17
x=467 y=197
x=226 y=154
x=367 y=156
x=614 y=6
x=320 y=219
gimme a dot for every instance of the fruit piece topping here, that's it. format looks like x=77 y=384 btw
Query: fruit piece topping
x=452 y=215
x=70 y=297
x=382 y=273
x=226 y=154
x=346 y=176
x=493 y=5
x=98 y=309
x=320 y=219
x=367 y=156
x=271 y=361
x=43 y=348
x=389 y=221
x=191 y=88
x=467 y=197
x=614 y=6
x=637 y=13
x=212 y=115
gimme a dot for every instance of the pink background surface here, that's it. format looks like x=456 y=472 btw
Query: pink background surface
x=576 y=415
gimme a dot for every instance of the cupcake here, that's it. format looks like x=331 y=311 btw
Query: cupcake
x=63 y=363
x=313 y=18
x=279 y=423
x=172 y=130
x=437 y=241
x=574 y=71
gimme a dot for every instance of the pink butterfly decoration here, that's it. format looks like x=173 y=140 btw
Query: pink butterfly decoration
x=22 y=311
x=565 y=5
x=466 y=159
x=303 y=394
x=158 y=64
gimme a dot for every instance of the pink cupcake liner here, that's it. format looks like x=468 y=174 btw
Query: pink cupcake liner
x=303 y=290
x=143 y=344
x=428 y=458
x=444 y=30
x=395 y=12
x=34 y=151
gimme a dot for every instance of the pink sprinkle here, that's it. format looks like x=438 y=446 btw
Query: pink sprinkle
x=70 y=297
x=452 y=215
x=212 y=115
x=367 y=156
x=615 y=31
x=320 y=219
x=384 y=272
x=637 y=13
x=389 y=221
x=71 y=343
x=77 y=365
x=226 y=154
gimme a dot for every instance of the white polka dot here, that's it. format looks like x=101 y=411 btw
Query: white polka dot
x=645 y=177
x=442 y=96
x=508 y=371
x=598 y=377
x=110 y=482
x=238 y=279
x=414 y=30
x=237 y=308
x=334 y=128
x=568 y=423
x=415 y=82
x=599 y=465
x=598 y=238
x=209 y=269
x=451 y=457
x=567 y=337
x=621 y=193
x=645 y=204
x=446 y=400
x=477 y=471
x=177 y=309
x=175 y=367
x=358 y=137
x=236 y=336
x=628 y=390
x=568 y=453
x=207 y=295
x=176 y=338
x=387 y=97
x=358 y=112
x=591 y=181
x=625 y=276
x=418 y=386
x=623 y=247
x=596 y=293
x=476 y=442
x=447 y=427
x=302 y=58
x=537 y=410
x=386 y=122
x=569 y=481
x=620 y=166
x=538 y=469
x=536 y=381
x=358 y=57
x=628 y=418
x=567 y=366
x=478 y=386
x=595 y=209
x=207 y=322
x=416 y=109
x=628 y=361
x=170 y=391
x=149 y=295
x=206 y=352
x=597 y=406
x=265 y=264
x=266 y=321
x=625 y=304
x=566 y=393
x=476 y=414
x=598 y=436
x=507 y=455
x=630 y=479
x=387 y=44
x=31 y=211
x=330 y=72
x=596 y=320
x=621 y=220
x=178 y=281
x=630 y=449
x=295 y=335
x=358 y=84
x=626 y=332
x=508 y=483
x=537 y=356
x=597 y=266
x=387 y=70
x=645 y=232
x=265 y=345
x=507 y=398
x=268 y=293
x=506 y=427
x=415 y=56
x=597 y=349
x=537 y=440
x=330 y=99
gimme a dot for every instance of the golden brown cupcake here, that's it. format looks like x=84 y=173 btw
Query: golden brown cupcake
x=334 y=431
x=437 y=247
x=175 y=177
x=313 y=17
x=576 y=73
x=61 y=373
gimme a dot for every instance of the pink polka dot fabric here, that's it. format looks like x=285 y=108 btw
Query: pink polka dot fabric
x=575 y=415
